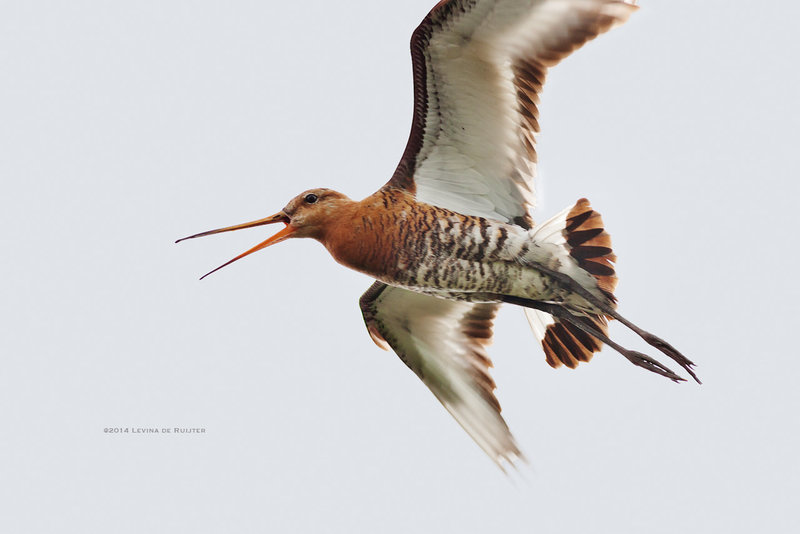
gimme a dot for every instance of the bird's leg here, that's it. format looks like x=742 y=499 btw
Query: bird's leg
x=606 y=309
x=637 y=358
x=660 y=344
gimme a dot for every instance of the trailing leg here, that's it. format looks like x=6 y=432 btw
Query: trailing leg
x=608 y=310
x=660 y=344
x=585 y=325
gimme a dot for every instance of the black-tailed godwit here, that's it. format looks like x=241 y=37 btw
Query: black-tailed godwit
x=449 y=237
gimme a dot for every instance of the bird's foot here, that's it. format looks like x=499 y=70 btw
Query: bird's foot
x=672 y=352
x=646 y=362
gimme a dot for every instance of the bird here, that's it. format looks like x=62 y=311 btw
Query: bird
x=450 y=237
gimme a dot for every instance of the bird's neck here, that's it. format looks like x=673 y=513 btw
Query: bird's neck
x=363 y=234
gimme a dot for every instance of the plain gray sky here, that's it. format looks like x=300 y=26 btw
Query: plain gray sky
x=125 y=125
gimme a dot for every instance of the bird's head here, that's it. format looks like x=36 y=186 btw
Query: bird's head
x=306 y=215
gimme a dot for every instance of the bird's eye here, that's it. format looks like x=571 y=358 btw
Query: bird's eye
x=311 y=198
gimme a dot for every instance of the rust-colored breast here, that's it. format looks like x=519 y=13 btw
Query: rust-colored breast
x=373 y=235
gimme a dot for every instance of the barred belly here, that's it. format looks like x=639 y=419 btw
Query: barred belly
x=467 y=258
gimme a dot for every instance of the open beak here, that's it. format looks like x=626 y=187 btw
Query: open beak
x=277 y=238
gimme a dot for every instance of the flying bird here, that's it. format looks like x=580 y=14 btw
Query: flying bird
x=449 y=238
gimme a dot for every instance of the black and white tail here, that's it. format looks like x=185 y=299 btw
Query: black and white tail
x=586 y=250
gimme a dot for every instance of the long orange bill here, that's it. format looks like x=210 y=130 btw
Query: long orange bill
x=277 y=238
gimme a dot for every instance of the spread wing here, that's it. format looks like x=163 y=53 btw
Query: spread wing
x=443 y=342
x=479 y=66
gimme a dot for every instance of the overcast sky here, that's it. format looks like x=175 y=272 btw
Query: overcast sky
x=125 y=125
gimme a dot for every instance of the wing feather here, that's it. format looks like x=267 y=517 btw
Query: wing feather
x=443 y=342
x=479 y=68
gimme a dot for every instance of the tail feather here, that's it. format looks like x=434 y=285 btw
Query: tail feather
x=576 y=251
x=581 y=233
x=590 y=245
x=563 y=342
